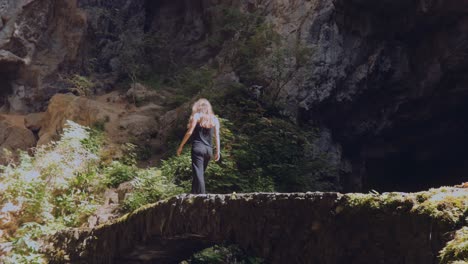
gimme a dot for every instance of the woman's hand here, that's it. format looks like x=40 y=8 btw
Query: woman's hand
x=217 y=156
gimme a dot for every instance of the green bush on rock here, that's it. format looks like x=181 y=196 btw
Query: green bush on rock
x=219 y=254
x=48 y=192
x=150 y=186
x=62 y=185
x=456 y=251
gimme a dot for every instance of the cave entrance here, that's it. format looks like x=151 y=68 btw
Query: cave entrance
x=6 y=88
x=403 y=172
x=425 y=155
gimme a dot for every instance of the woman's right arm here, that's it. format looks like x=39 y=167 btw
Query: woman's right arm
x=188 y=134
x=218 y=144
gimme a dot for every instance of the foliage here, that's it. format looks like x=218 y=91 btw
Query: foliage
x=188 y=82
x=281 y=66
x=259 y=55
x=118 y=172
x=149 y=187
x=456 y=250
x=47 y=192
x=220 y=177
x=132 y=55
x=63 y=184
x=388 y=202
x=261 y=151
x=229 y=22
x=220 y=254
x=120 y=169
x=268 y=148
x=81 y=85
x=447 y=205
x=160 y=54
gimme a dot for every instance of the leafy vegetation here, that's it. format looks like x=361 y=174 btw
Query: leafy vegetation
x=81 y=85
x=220 y=254
x=50 y=191
x=246 y=38
x=447 y=205
x=456 y=250
x=62 y=185
x=221 y=177
x=150 y=185
x=189 y=82
x=261 y=151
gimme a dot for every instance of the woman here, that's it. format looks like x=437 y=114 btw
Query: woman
x=202 y=125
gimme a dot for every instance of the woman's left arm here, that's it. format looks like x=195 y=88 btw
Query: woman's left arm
x=187 y=134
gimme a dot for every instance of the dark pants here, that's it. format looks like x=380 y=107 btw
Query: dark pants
x=201 y=155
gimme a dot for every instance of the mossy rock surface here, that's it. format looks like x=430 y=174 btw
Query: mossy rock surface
x=409 y=227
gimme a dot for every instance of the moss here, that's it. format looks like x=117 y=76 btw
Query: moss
x=385 y=202
x=190 y=200
x=456 y=251
x=448 y=205
x=360 y=200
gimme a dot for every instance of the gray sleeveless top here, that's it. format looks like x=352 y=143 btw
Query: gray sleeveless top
x=203 y=135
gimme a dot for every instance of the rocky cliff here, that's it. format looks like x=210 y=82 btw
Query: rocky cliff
x=383 y=81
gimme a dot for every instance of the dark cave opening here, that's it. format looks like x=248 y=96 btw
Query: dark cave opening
x=5 y=87
x=421 y=145
x=426 y=146
x=403 y=172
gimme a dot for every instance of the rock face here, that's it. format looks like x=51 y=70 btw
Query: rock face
x=281 y=228
x=384 y=80
x=63 y=107
x=122 y=122
x=37 y=37
x=387 y=79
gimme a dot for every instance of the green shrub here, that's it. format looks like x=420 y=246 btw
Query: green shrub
x=220 y=254
x=188 y=82
x=267 y=148
x=118 y=172
x=149 y=187
x=81 y=85
x=220 y=177
x=261 y=151
x=52 y=190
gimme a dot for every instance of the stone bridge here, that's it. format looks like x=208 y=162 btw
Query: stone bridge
x=281 y=228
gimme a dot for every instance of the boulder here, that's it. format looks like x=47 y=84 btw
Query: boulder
x=33 y=121
x=121 y=122
x=81 y=110
x=14 y=137
x=141 y=93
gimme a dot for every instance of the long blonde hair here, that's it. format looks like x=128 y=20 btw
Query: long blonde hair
x=203 y=107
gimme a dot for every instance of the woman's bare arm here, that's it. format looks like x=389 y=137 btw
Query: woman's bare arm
x=217 y=139
x=188 y=134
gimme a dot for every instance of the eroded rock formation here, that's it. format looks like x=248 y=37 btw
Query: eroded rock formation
x=37 y=38
x=391 y=86
x=384 y=81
